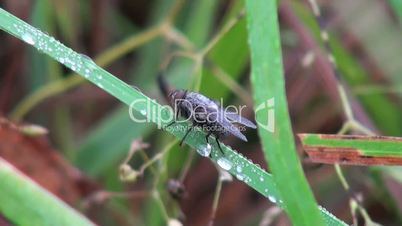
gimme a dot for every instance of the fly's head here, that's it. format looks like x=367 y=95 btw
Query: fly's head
x=177 y=96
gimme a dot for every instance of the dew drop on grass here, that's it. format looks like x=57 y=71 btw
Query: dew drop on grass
x=239 y=169
x=272 y=198
x=28 y=38
x=224 y=163
x=143 y=112
x=240 y=176
x=261 y=179
x=86 y=60
x=205 y=150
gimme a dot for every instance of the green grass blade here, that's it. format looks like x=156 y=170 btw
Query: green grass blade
x=230 y=54
x=396 y=6
x=384 y=112
x=125 y=93
x=235 y=163
x=268 y=82
x=95 y=156
x=24 y=202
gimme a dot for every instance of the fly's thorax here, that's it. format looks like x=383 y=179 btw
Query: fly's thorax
x=177 y=96
x=179 y=103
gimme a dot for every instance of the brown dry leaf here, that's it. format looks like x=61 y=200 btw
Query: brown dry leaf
x=34 y=156
x=352 y=149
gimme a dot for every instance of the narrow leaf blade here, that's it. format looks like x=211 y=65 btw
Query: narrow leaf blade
x=26 y=203
x=270 y=100
x=353 y=149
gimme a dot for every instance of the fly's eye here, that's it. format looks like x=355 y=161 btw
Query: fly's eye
x=172 y=95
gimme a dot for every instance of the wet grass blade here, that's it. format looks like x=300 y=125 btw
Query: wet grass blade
x=270 y=100
x=396 y=6
x=242 y=168
x=353 y=149
x=24 y=202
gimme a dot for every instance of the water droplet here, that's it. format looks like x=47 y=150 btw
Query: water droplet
x=205 y=150
x=224 y=163
x=143 y=112
x=272 y=198
x=239 y=169
x=86 y=60
x=261 y=179
x=240 y=177
x=28 y=38
x=174 y=222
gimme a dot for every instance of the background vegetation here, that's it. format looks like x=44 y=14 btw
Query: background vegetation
x=132 y=39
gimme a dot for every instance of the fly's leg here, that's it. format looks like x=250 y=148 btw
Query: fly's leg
x=219 y=146
x=171 y=123
x=176 y=115
x=185 y=135
x=207 y=136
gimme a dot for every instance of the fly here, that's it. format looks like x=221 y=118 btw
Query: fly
x=204 y=113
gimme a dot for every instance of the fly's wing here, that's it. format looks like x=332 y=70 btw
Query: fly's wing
x=229 y=126
x=237 y=118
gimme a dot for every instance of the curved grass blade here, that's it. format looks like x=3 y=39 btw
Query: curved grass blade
x=270 y=100
x=24 y=202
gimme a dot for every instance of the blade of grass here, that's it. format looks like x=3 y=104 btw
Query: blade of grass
x=235 y=163
x=230 y=53
x=396 y=6
x=39 y=64
x=379 y=40
x=44 y=70
x=382 y=109
x=269 y=89
x=117 y=122
x=95 y=155
x=355 y=75
x=353 y=149
x=24 y=202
